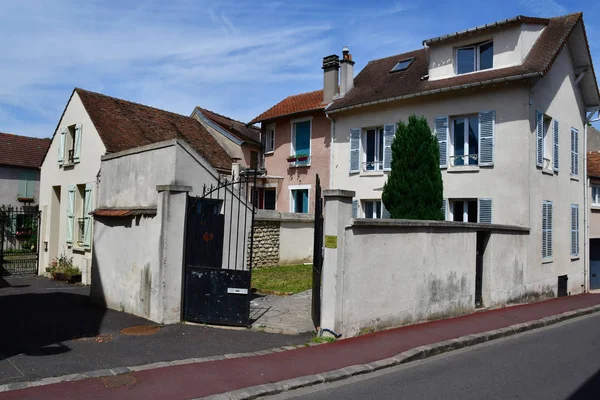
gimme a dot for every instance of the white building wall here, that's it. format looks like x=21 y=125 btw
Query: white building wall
x=558 y=97
x=506 y=182
x=86 y=171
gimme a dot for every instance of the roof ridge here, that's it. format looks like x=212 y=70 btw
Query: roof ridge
x=226 y=117
x=23 y=136
x=133 y=102
x=396 y=55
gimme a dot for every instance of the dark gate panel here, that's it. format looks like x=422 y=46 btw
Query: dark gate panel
x=218 y=296
x=317 y=257
x=19 y=232
x=218 y=257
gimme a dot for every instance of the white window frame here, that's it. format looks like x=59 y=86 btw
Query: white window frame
x=269 y=186
x=270 y=130
x=465 y=201
x=292 y=199
x=293 y=138
x=476 y=48
x=379 y=135
x=375 y=201
x=596 y=196
x=466 y=157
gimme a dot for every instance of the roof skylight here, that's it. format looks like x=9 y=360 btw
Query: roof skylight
x=402 y=65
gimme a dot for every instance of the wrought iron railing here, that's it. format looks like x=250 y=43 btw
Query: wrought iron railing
x=368 y=166
x=463 y=161
x=71 y=158
x=81 y=233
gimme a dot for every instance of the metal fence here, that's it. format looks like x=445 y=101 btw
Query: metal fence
x=19 y=230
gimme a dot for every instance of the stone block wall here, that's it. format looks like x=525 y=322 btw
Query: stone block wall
x=266 y=244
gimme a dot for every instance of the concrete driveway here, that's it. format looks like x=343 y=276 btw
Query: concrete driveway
x=49 y=328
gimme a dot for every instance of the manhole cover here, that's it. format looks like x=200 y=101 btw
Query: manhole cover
x=119 y=380
x=140 y=330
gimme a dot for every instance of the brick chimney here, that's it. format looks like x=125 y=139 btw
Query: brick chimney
x=347 y=74
x=331 y=68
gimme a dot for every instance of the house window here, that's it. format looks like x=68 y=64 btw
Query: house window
x=254 y=160
x=80 y=207
x=372 y=208
x=301 y=132
x=463 y=210
x=270 y=199
x=402 y=65
x=474 y=58
x=465 y=141
x=270 y=140
x=574 y=152
x=299 y=200
x=547 y=229
x=596 y=195
x=547 y=143
x=373 y=149
x=70 y=144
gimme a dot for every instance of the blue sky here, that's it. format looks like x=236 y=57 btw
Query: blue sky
x=237 y=58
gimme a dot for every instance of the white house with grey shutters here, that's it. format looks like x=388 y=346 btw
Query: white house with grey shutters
x=507 y=103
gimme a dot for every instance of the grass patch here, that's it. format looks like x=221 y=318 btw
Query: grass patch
x=289 y=279
x=323 y=339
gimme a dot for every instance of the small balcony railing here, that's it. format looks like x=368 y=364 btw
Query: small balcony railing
x=369 y=166
x=463 y=161
x=71 y=156
x=81 y=232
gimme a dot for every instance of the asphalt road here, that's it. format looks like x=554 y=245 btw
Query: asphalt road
x=558 y=362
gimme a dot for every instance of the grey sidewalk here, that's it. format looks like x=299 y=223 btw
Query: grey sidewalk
x=50 y=329
x=282 y=314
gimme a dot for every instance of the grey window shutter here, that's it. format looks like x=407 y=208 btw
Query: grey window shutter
x=539 y=122
x=354 y=208
x=555 y=141
x=354 y=150
x=445 y=209
x=485 y=211
x=389 y=132
x=440 y=126
x=550 y=228
x=576 y=151
x=574 y=229
x=487 y=122
x=385 y=214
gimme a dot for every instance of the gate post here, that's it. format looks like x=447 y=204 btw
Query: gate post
x=338 y=215
x=171 y=211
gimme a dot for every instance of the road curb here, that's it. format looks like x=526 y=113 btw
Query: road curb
x=418 y=353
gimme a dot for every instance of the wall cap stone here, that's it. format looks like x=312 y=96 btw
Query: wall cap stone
x=459 y=226
x=272 y=215
x=173 y=188
x=338 y=193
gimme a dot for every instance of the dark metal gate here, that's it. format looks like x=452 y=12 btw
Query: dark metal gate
x=19 y=230
x=218 y=257
x=317 y=257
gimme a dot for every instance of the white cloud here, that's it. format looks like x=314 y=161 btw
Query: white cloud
x=544 y=8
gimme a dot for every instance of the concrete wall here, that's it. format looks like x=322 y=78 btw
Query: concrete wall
x=557 y=96
x=385 y=273
x=512 y=133
x=9 y=185
x=54 y=229
x=276 y=162
x=283 y=238
x=511 y=46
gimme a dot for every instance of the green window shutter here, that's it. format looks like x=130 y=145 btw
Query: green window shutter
x=440 y=127
x=30 y=189
x=22 y=188
x=61 y=146
x=70 y=213
x=77 y=152
x=389 y=132
x=87 y=227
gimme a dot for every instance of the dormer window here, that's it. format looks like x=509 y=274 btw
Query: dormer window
x=474 y=58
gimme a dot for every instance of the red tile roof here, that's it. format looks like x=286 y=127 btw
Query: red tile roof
x=292 y=105
x=124 y=125
x=22 y=151
x=593 y=164
x=376 y=84
x=236 y=128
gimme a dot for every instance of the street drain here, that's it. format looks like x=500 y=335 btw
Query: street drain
x=119 y=380
x=140 y=330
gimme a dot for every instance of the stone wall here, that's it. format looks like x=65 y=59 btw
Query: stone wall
x=282 y=239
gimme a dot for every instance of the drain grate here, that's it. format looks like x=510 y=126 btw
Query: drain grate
x=119 y=380
x=140 y=330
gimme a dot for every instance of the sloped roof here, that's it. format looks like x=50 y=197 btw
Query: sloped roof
x=236 y=128
x=375 y=84
x=292 y=105
x=124 y=125
x=593 y=164
x=593 y=139
x=22 y=151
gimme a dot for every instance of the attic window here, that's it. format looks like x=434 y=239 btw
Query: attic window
x=403 y=65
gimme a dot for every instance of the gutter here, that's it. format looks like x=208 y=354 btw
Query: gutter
x=440 y=90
